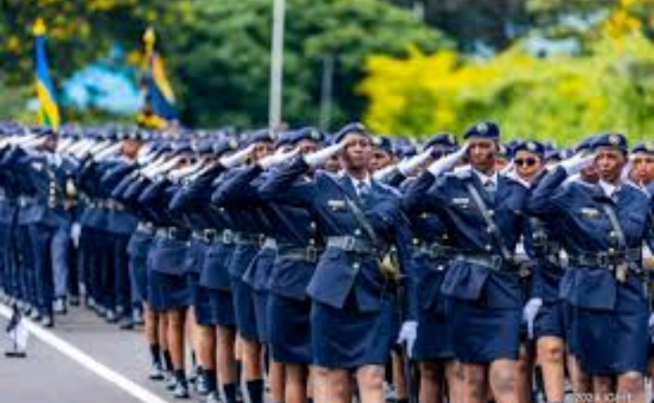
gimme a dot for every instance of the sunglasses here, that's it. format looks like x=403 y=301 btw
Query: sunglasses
x=526 y=162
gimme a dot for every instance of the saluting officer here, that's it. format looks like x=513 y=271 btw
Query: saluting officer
x=355 y=312
x=484 y=214
x=606 y=226
x=432 y=244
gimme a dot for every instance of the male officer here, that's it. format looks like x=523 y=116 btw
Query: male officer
x=607 y=224
x=483 y=210
x=121 y=224
x=354 y=306
x=432 y=252
x=47 y=212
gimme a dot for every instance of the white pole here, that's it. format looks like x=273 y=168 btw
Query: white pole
x=326 y=92
x=277 y=64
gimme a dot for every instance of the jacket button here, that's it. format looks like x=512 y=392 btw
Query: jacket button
x=312 y=241
x=489 y=248
x=356 y=266
x=491 y=213
x=357 y=232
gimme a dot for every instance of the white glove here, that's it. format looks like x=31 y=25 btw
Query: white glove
x=529 y=314
x=75 y=233
x=407 y=166
x=319 y=157
x=179 y=173
x=108 y=152
x=510 y=167
x=577 y=163
x=383 y=173
x=448 y=162
x=166 y=166
x=238 y=158
x=408 y=335
x=278 y=158
x=64 y=144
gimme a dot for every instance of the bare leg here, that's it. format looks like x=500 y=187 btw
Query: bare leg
x=551 y=360
x=503 y=377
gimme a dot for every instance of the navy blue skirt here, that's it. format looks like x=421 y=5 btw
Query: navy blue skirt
x=168 y=291
x=246 y=320
x=612 y=343
x=434 y=341
x=348 y=339
x=193 y=283
x=260 y=313
x=289 y=322
x=138 y=267
x=483 y=334
x=550 y=320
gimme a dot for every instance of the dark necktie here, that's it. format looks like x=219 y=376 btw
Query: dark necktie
x=363 y=190
x=490 y=188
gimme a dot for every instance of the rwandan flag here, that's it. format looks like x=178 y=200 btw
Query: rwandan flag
x=48 y=110
x=159 y=109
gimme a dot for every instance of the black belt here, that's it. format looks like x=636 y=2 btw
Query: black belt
x=24 y=201
x=245 y=239
x=173 y=233
x=309 y=254
x=214 y=236
x=435 y=250
x=607 y=260
x=351 y=244
x=146 y=228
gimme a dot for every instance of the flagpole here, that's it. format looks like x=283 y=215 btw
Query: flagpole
x=277 y=64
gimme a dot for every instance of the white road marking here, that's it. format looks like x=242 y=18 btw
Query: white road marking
x=86 y=360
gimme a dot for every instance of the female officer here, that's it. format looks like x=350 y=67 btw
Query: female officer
x=606 y=226
x=354 y=319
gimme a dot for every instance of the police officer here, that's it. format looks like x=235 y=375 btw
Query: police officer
x=484 y=215
x=355 y=312
x=432 y=251
x=208 y=254
x=608 y=226
x=250 y=226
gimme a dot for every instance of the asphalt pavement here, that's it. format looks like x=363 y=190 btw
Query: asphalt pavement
x=87 y=361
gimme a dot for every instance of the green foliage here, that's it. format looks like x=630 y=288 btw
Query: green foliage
x=218 y=52
x=223 y=56
x=560 y=99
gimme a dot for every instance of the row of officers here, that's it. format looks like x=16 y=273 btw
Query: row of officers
x=480 y=272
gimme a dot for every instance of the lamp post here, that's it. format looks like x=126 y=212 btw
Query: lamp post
x=277 y=64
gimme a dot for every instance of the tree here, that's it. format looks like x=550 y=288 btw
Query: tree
x=562 y=98
x=222 y=56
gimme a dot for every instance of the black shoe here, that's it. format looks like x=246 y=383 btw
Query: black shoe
x=126 y=324
x=156 y=373
x=180 y=391
x=74 y=301
x=47 y=321
x=111 y=316
x=59 y=306
x=202 y=384
x=137 y=318
x=213 y=397
x=35 y=315
x=171 y=382
x=196 y=372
